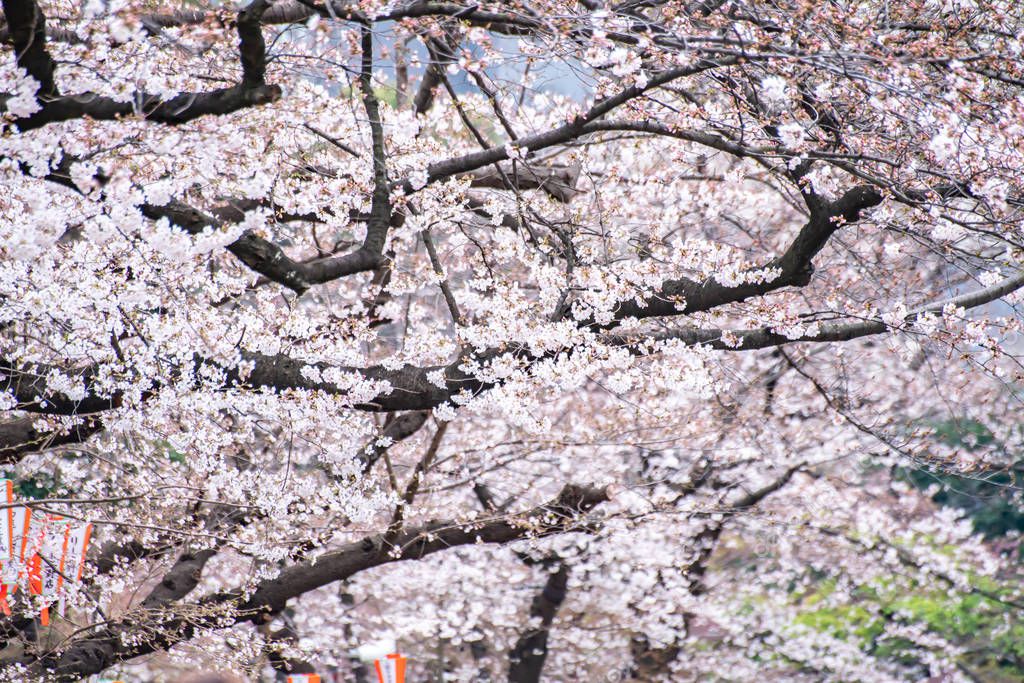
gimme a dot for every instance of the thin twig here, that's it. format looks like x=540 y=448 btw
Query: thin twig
x=334 y=141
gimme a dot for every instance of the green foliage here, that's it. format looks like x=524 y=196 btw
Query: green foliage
x=172 y=453
x=388 y=96
x=982 y=622
x=844 y=622
x=991 y=633
x=991 y=499
x=963 y=433
x=31 y=488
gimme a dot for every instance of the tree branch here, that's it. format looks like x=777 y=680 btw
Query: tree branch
x=562 y=134
x=18 y=438
x=794 y=266
x=177 y=110
x=380 y=207
x=252 y=49
x=180 y=580
x=27 y=32
x=267 y=258
x=252 y=91
x=559 y=182
x=413 y=487
x=396 y=428
x=747 y=340
x=411 y=387
x=531 y=650
x=441 y=53
x=131 y=638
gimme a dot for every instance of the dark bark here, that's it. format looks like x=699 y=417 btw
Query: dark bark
x=18 y=438
x=265 y=257
x=291 y=11
x=396 y=428
x=380 y=203
x=180 y=580
x=441 y=53
x=252 y=49
x=28 y=385
x=559 y=182
x=531 y=650
x=411 y=388
x=27 y=33
x=177 y=110
x=795 y=266
x=562 y=134
x=748 y=340
x=24 y=15
x=92 y=653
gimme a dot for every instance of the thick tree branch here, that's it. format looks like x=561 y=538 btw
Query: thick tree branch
x=180 y=580
x=559 y=182
x=177 y=110
x=380 y=206
x=793 y=268
x=396 y=428
x=27 y=32
x=747 y=340
x=92 y=653
x=531 y=650
x=20 y=437
x=29 y=386
x=653 y=127
x=562 y=134
x=267 y=258
x=411 y=387
x=252 y=91
x=441 y=53
x=270 y=260
x=252 y=49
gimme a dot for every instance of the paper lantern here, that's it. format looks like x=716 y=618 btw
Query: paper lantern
x=391 y=669
x=47 y=551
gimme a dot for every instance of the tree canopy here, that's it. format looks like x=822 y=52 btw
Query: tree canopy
x=654 y=340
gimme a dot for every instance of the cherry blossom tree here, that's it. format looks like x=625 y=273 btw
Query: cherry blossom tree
x=540 y=338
